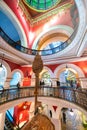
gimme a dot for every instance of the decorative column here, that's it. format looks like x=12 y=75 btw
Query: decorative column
x=7 y=83
x=59 y=119
x=54 y=82
x=56 y=116
x=37 y=68
x=2 y=120
x=83 y=82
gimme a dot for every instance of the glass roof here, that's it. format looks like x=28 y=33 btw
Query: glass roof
x=41 y=5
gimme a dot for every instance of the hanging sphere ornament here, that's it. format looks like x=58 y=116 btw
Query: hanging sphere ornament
x=39 y=120
x=37 y=67
x=37 y=64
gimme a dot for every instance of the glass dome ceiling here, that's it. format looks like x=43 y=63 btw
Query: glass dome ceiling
x=41 y=5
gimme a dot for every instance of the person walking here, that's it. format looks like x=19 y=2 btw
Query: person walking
x=18 y=86
x=50 y=113
x=58 y=83
x=64 y=117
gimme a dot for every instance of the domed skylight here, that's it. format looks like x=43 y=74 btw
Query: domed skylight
x=41 y=5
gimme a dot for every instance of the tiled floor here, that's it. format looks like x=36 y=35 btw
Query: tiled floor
x=73 y=122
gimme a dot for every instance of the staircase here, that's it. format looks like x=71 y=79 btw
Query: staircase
x=9 y=122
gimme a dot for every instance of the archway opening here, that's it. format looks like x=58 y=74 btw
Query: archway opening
x=15 y=79
x=68 y=77
x=3 y=75
x=45 y=79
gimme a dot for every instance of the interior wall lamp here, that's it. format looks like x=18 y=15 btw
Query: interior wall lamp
x=1 y=67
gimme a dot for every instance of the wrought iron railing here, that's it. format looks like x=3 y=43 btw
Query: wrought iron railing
x=79 y=97
x=33 y=51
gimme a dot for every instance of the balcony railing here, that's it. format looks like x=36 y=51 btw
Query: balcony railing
x=33 y=51
x=79 y=97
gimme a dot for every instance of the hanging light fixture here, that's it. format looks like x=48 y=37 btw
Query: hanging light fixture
x=1 y=67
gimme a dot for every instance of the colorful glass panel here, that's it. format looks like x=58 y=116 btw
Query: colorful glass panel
x=41 y=5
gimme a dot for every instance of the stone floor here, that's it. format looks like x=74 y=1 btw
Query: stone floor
x=73 y=121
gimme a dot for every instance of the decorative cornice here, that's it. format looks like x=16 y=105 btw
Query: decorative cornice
x=25 y=11
x=44 y=16
x=40 y=9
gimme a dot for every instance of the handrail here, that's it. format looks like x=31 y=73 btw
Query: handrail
x=33 y=51
x=79 y=97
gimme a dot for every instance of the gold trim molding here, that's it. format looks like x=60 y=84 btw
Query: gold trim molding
x=46 y=15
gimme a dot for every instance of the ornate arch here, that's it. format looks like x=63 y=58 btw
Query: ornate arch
x=7 y=74
x=18 y=70
x=60 y=28
x=44 y=68
x=15 y=22
x=6 y=65
x=72 y=66
x=49 y=70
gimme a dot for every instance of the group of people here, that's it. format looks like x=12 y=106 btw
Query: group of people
x=73 y=84
x=42 y=83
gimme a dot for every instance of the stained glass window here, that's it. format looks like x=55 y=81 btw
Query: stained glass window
x=41 y=5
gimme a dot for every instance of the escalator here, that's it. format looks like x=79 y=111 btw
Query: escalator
x=9 y=122
x=8 y=125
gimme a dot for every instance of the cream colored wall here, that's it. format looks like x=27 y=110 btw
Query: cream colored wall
x=49 y=101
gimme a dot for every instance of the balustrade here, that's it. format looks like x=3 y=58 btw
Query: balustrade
x=79 y=97
x=33 y=51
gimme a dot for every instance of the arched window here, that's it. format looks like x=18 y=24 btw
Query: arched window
x=15 y=79
x=46 y=78
x=3 y=75
x=68 y=77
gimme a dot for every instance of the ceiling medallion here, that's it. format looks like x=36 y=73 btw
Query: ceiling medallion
x=41 y=5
